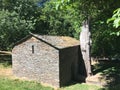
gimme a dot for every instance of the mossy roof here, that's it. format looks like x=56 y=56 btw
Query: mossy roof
x=57 y=42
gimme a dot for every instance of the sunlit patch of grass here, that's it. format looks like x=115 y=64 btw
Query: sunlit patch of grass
x=9 y=82
x=110 y=70
x=81 y=87
x=16 y=84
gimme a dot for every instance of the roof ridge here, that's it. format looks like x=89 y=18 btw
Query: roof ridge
x=44 y=41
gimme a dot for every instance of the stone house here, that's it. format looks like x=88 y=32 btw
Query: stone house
x=47 y=59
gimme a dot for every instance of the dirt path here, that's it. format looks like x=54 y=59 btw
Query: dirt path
x=6 y=72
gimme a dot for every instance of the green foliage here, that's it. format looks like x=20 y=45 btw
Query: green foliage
x=116 y=22
x=75 y=12
x=52 y=22
x=64 y=16
x=12 y=28
x=8 y=84
x=16 y=20
x=105 y=43
x=115 y=18
x=110 y=70
x=61 y=17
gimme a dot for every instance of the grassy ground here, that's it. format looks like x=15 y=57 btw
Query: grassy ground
x=16 y=84
x=9 y=82
x=110 y=70
x=81 y=87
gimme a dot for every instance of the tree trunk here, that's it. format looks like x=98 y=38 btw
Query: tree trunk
x=85 y=42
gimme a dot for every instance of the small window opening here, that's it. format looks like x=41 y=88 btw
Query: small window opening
x=32 y=48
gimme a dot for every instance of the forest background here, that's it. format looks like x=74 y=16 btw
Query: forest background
x=63 y=18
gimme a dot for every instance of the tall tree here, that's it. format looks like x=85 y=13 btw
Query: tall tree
x=78 y=14
x=82 y=15
x=17 y=18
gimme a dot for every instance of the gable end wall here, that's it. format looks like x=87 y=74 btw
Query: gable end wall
x=42 y=65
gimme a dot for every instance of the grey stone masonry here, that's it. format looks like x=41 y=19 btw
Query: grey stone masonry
x=46 y=59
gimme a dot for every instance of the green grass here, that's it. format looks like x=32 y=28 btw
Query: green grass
x=9 y=84
x=6 y=83
x=110 y=70
x=90 y=87
x=81 y=87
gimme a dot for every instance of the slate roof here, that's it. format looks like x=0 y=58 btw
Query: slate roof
x=57 y=42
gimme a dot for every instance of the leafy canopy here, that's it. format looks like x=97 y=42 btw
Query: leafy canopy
x=116 y=21
x=16 y=20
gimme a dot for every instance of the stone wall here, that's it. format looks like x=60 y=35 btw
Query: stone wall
x=68 y=64
x=36 y=60
x=41 y=65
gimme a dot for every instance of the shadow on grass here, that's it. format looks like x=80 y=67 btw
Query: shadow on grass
x=110 y=70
